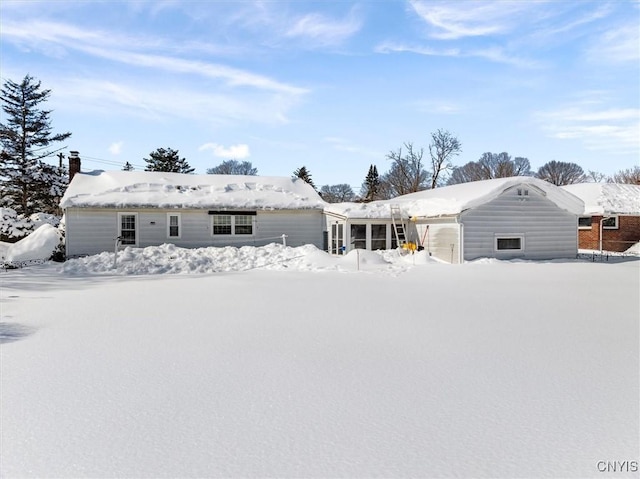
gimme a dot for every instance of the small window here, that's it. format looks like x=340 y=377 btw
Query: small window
x=173 y=225
x=610 y=223
x=127 y=228
x=222 y=224
x=510 y=243
x=584 y=222
x=243 y=225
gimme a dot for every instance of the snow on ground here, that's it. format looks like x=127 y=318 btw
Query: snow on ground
x=285 y=362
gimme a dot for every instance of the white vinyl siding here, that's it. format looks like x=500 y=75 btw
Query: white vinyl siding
x=546 y=230
x=94 y=230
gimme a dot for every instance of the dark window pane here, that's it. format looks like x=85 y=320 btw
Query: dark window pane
x=509 y=243
x=359 y=236
x=584 y=221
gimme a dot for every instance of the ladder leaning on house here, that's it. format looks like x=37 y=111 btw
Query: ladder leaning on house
x=399 y=225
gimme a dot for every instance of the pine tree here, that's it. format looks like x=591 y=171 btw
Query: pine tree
x=27 y=183
x=127 y=167
x=167 y=160
x=304 y=175
x=371 y=185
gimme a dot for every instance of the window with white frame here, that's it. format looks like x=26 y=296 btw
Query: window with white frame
x=243 y=224
x=174 y=227
x=229 y=224
x=610 y=223
x=584 y=222
x=128 y=228
x=509 y=243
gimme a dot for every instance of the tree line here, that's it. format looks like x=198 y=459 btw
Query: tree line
x=29 y=184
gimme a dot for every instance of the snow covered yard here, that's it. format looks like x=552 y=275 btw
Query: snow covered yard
x=301 y=366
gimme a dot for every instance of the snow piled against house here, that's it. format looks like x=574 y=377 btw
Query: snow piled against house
x=126 y=189
x=169 y=259
x=607 y=198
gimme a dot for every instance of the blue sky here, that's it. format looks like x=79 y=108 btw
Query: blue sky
x=333 y=85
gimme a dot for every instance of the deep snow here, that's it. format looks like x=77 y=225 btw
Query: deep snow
x=286 y=362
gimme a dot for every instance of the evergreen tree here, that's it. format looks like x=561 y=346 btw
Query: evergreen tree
x=27 y=183
x=371 y=186
x=128 y=167
x=304 y=175
x=167 y=160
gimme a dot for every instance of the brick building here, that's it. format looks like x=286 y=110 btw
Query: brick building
x=611 y=219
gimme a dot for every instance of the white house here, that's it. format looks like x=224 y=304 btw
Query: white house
x=150 y=208
x=519 y=217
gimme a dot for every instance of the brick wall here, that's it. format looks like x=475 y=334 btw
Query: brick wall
x=627 y=234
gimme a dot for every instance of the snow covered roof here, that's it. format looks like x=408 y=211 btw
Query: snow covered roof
x=130 y=189
x=452 y=200
x=607 y=198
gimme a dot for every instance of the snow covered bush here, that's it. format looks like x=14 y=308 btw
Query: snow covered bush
x=14 y=226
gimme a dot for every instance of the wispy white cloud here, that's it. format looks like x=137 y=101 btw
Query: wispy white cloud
x=107 y=45
x=237 y=152
x=116 y=148
x=449 y=20
x=322 y=30
x=619 y=45
x=614 y=130
x=495 y=54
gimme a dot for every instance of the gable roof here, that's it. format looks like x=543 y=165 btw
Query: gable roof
x=607 y=198
x=150 y=189
x=454 y=199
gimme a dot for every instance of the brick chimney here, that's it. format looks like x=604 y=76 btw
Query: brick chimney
x=74 y=164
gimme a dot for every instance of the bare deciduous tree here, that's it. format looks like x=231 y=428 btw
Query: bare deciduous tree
x=233 y=167
x=630 y=176
x=561 y=173
x=337 y=193
x=442 y=148
x=491 y=165
x=407 y=173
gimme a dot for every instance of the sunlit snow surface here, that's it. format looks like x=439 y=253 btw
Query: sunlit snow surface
x=286 y=362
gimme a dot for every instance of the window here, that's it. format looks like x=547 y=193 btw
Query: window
x=127 y=228
x=233 y=224
x=222 y=224
x=584 y=222
x=509 y=243
x=243 y=225
x=610 y=223
x=359 y=236
x=378 y=237
x=173 y=225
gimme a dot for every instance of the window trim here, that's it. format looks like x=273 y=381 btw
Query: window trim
x=508 y=236
x=590 y=218
x=136 y=230
x=179 y=235
x=233 y=225
x=614 y=227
